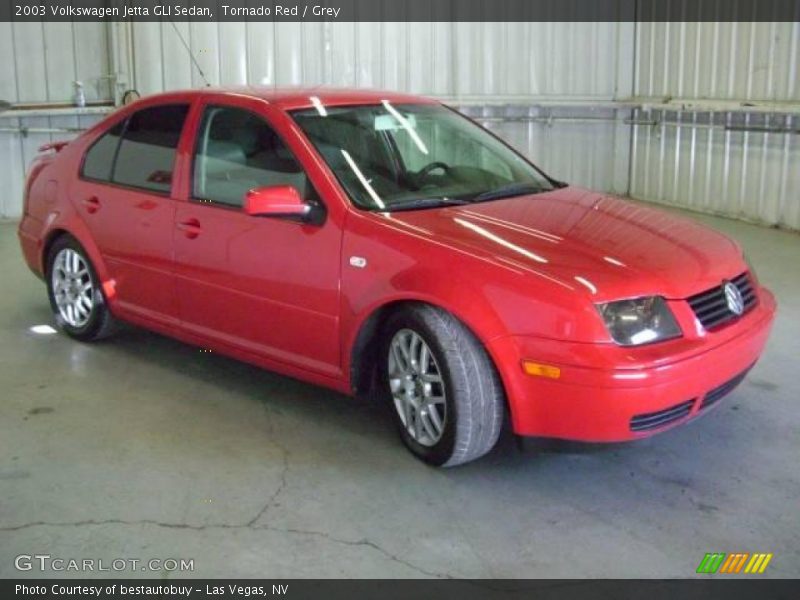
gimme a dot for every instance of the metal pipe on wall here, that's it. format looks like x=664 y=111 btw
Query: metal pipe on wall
x=551 y=120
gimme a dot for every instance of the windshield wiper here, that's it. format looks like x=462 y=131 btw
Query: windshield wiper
x=507 y=191
x=418 y=203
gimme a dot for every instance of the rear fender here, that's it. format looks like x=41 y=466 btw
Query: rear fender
x=68 y=222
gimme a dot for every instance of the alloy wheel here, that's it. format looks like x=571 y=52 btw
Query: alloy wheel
x=417 y=387
x=73 y=289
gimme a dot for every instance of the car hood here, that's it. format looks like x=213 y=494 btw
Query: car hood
x=602 y=245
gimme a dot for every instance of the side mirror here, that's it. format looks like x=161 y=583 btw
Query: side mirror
x=276 y=201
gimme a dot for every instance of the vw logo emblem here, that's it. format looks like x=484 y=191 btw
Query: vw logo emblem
x=733 y=297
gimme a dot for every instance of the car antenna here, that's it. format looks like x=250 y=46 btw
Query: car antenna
x=189 y=50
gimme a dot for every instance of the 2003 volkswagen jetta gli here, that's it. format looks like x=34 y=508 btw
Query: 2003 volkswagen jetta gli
x=383 y=244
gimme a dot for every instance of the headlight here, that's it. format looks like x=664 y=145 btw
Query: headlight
x=639 y=321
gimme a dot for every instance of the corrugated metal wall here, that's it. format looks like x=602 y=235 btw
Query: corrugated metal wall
x=479 y=60
x=714 y=154
x=41 y=60
x=720 y=61
x=17 y=151
x=39 y=63
x=718 y=162
x=557 y=91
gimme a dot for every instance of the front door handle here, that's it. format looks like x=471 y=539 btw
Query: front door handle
x=92 y=204
x=191 y=228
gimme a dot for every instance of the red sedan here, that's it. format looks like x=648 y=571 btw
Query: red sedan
x=383 y=244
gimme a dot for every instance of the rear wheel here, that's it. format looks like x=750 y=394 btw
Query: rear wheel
x=77 y=301
x=447 y=398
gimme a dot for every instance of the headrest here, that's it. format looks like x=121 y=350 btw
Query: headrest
x=227 y=151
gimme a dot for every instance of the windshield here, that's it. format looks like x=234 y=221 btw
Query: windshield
x=408 y=156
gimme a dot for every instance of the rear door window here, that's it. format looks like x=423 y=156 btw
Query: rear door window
x=146 y=155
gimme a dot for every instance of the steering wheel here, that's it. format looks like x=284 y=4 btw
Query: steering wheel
x=424 y=171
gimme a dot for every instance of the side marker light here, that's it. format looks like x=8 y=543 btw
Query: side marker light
x=540 y=370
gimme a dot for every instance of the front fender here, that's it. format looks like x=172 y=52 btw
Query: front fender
x=463 y=299
x=362 y=311
x=383 y=263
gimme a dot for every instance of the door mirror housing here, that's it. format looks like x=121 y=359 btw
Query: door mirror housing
x=276 y=201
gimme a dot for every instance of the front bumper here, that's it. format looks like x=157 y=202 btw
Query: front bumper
x=607 y=393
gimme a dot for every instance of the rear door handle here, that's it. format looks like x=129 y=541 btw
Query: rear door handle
x=92 y=204
x=191 y=228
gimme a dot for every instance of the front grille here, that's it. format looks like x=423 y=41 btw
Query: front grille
x=723 y=390
x=711 y=307
x=654 y=420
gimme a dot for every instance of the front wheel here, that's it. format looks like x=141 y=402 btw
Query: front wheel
x=447 y=397
x=75 y=296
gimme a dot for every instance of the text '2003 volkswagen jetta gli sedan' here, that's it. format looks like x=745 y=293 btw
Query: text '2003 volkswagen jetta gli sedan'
x=383 y=244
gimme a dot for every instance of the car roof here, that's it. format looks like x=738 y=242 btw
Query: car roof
x=290 y=98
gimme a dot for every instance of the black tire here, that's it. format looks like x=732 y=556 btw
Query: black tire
x=100 y=322
x=474 y=396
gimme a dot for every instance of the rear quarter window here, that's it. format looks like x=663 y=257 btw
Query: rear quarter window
x=99 y=159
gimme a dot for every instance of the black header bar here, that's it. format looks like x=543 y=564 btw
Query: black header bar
x=706 y=588
x=400 y=10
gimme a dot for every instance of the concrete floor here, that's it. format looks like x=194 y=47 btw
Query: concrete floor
x=141 y=447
